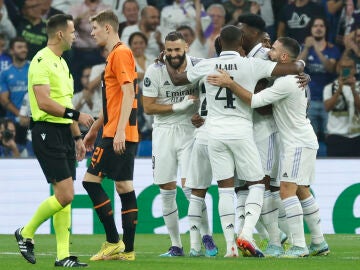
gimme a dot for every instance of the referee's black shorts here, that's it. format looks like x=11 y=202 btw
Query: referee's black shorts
x=54 y=148
x=105 y=162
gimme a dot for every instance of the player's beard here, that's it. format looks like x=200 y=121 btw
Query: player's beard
x=181 y=60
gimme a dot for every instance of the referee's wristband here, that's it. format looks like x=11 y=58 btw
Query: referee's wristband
x=71 y=114
x=76 y=138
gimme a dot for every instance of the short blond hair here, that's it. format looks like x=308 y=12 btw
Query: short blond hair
x=106 y=17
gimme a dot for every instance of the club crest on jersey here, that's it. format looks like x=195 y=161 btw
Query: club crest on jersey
x=147 y=82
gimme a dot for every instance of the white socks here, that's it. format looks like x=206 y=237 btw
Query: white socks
x=194 y=214
x=269 y=217
x=227 y=215
x=294 y=215
x=253 y=207
x=170 y=214
x=241 y=196
x=282 y=220
x=312 y=219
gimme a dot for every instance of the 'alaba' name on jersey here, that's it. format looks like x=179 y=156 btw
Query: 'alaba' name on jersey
x=228 y=116
x=157 y=83
x=290 y=105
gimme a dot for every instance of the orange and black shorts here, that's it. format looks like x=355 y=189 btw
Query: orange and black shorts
x=105 y=162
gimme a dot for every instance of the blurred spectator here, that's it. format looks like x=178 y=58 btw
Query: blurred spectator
x=6 y=26
x=24 y=120
x=149 y=21
x=84 y=47
x=13 y=85
x=354 y=21
x=8 y=146
x=64 y=5
x=295 y=19
x=13 y=9
x=117 y=6
x=179 y=13
x=130 y=9
x=137 y=44
x=217 y=15
x=235 y=8
x=336 y=18
x=87 y=100
x=196 y=48
x=265 y=10
x=47 y=10
x=5 y=61
x=352 y=50
x=208 y=3
x=320 y=57
x=159 y=4
x=342 y=101
x=196 y=41
x=32 y=27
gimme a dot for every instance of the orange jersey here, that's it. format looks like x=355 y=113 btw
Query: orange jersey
x=120 y=69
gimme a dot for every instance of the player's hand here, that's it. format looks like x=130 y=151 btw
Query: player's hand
x=119 y=142
x=89 y=140
x=86 y=119
x=80 y=150
x=197 y=120
x=185 y=104
x=303 y=79
x=223 y=79
x=161 y=58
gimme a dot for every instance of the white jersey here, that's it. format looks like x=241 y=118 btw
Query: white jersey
x=228 y=116
x=289 y=110
x=343 y=119
x=264 y=125
x=201 y=133
x=157 y=83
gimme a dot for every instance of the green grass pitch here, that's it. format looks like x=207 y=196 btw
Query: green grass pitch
x=345 y=254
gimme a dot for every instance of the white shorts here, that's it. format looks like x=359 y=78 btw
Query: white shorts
x=242 y=155
x=297 y=165
x=171 y=148
x=199 y=175
x=269 y=153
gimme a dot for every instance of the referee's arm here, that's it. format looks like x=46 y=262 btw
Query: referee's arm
x=46 y=104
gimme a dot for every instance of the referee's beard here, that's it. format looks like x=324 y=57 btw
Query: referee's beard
x=181 y=59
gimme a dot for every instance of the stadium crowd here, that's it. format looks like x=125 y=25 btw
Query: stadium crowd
x=271 y=180
x=328 y=31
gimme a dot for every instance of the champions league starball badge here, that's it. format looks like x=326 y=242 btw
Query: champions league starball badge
x=147 y=82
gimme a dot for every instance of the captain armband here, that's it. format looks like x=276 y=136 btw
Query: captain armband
x=71 y=114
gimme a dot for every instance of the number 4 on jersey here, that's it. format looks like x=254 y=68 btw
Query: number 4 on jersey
x=228 y=97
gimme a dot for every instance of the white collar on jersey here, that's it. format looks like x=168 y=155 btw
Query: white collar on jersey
x=254 y=50
x=227 y=53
